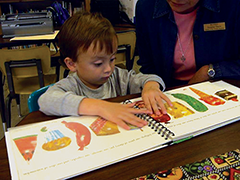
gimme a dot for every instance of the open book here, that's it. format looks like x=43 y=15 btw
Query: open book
x=71 y=146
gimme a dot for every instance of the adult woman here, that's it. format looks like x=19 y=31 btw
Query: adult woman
x=188 y=41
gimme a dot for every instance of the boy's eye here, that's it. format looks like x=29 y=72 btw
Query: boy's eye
x=98 y=64
x=112 y=59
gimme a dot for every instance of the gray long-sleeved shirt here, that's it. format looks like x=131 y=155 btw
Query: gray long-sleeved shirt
x=64 y=97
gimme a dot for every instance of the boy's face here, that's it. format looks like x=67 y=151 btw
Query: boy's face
x=94 y=67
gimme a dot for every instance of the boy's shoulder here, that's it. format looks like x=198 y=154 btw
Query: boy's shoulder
x=118 y=70
x=70 y=78
x=121 y=71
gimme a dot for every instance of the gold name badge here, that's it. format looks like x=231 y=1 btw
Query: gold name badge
x=214 y=26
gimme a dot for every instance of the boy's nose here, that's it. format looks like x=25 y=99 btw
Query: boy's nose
x=108 y=68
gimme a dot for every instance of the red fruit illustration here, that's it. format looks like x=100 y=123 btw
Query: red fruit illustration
x=159 y=118
x=26 y=145
x=83 y=135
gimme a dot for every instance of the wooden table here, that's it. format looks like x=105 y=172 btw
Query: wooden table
x=209 y=144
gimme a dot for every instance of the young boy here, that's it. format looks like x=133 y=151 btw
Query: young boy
x=88 y=44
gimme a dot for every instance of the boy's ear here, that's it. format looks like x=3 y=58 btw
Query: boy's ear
x=70 y=64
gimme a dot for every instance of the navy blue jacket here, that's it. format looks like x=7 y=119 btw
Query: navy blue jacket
x=157 y=35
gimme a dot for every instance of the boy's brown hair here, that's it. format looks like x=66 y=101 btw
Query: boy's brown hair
x=83 y=29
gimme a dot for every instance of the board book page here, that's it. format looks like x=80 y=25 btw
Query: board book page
x=199 y=108
x=71 y=146
x=68 y=146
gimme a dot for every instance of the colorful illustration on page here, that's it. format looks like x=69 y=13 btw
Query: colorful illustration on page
x=227 y=95
x=83 y=135
x=209 y=99
x=55 y=140
x=178 y=110
x=194 y=103
x=26 y=146
x=163 y=118
x=102 y=127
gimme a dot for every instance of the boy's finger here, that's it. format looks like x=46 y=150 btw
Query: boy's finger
x=167 y=100
x=155 y=107
x=140 y=111
x=131 y=117
x=129 y=104
x=163 y=108
x=136 y=121
x=148 y=105
x=161 y=105
x=122 y=124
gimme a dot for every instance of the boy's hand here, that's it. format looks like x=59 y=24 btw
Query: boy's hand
x=153 y=98
x=124 y=113
x=121 y=114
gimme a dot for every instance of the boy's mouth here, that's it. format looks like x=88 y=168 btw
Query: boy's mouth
x=105 y=77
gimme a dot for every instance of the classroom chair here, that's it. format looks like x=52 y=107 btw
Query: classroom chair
x=123 y=57
x=26 y=70
x=33 y=98
x=126 y=39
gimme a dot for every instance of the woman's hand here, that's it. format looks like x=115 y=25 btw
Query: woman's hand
x=200 y=76
x=154 y=98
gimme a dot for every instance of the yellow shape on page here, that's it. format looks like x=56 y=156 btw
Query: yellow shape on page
x=102 y=127
x=178 y=110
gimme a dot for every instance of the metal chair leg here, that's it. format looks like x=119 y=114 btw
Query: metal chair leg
x=2 y=103
x=18 y=105
x=8 y=111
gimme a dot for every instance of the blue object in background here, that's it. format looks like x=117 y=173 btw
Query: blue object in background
x=33 y=98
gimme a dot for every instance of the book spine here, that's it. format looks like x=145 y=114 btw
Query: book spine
x=155 y=125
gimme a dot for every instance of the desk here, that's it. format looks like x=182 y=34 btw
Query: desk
x=209 y=144
x=5 y=42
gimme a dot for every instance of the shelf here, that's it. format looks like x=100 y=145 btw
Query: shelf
x=17 y=1
x=35 y=4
